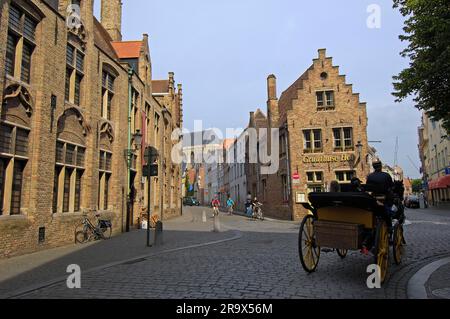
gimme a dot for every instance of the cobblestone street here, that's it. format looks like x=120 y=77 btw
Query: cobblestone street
x=262 y=263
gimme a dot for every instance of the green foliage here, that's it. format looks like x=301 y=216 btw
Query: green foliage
x=417 y=185
x=427 y=30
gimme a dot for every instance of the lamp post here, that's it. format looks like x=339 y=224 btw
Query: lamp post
x=150 y=170
x=129 y=153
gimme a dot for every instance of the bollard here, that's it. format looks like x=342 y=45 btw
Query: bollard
x=217 y=224
x=158 y=234
x=204 y=217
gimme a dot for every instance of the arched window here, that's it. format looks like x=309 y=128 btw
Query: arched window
x=15 y=127
x=70 y=163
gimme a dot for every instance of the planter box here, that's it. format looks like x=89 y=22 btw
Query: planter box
x=339 y=235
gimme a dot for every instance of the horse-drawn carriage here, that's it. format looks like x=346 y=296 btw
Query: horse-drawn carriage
x=352 y=221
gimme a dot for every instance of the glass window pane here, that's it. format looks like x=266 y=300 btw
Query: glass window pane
x=70 y=54
x=5 y=138
x=104 y=79
x=3 y=165
x=319 y=176
x=317 y=139
x=21 y=142
x=80 y=61
x=14 y=18
x=78 y=190
x=77 y=89
x=80 y=156
x=110 y=82
x=67 y=92
x=108 y=162
x=330 y=98
x=55 y=189
x=10 y=54
x=29 y=29
x=310 y=177
x=102 y=161
x=67 y=176
x=337 y=138
x=320 y=101
x=17 y=187
x=107 y=177
x=26 y=62
x=70 y=153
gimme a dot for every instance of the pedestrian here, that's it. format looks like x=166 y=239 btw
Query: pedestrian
x=230 y=205
x=249 y=205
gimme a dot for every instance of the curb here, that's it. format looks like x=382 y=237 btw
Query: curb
x=416 y=285
x=24 y=291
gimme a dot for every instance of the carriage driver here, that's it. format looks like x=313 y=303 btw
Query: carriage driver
x=383 y=185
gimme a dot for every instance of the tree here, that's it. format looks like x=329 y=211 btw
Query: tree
x=417 y=185
x=427 y=29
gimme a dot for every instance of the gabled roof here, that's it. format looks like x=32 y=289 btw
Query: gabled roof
x=291 y=93
x=102 y=39
x=128 y=49
x=160 y=86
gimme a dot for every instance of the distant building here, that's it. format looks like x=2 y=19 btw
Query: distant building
x=434 y=146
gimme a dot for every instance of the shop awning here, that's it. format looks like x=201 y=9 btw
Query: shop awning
x=440 y=183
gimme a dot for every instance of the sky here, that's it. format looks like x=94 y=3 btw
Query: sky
x=223 y=51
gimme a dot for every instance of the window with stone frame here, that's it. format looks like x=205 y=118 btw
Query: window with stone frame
x=315 y=181
x=74 y=74
x=134 y=110
x=107 y=93
x=343 y=139
x=344 y=177
x=20 y=44
x=14 y=142
x=325 y=100
x=312 y=141
x=157 y=129
x=105 y=173
x=69 y=171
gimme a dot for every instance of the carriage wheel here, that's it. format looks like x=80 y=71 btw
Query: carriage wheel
x=382 y=249
x=399 y=244
x=308 y=249
x=342 y=253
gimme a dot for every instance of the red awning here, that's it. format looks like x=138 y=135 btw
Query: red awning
x=440 y=183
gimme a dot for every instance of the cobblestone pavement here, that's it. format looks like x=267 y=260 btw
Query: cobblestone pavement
x=438 y=286
x=264 y=263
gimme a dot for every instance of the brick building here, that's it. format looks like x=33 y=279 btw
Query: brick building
x=73 y=96
x=323 y=137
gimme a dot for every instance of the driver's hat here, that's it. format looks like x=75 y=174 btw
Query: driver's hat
x=377 y=163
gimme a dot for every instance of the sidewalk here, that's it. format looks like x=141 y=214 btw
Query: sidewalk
x=25 y=271
x=438 y=286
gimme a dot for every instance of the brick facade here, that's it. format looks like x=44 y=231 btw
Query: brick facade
x=40 y=107
x=298 y=110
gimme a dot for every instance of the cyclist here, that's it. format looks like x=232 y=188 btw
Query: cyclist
x=216 y=205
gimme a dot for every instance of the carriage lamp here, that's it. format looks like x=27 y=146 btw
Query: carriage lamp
x=359 y=147
x=137 y=137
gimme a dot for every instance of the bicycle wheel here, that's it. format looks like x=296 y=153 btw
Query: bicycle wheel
x=106 y=233
x=81 y=237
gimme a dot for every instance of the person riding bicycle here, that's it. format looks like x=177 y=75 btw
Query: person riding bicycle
x=216 y=205
x=230 y=205
x=249 y=205
x=256 y=205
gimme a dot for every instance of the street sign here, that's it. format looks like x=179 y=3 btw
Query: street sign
x=296 y=176
x=447 y=171
x=153 y=171
x=151 y=154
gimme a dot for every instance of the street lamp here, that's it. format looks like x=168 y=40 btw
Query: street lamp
x=129 y=153
x=151 y=156
x=359 y=147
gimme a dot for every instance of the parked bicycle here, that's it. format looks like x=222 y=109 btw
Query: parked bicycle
x=87 y=232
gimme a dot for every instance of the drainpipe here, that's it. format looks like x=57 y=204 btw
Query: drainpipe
x=130 y=92
x=286 y=127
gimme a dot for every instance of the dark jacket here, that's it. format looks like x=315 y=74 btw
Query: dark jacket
x=381 y=182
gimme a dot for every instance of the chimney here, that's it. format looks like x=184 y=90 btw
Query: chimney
x=272 y=102
x=171 y=83
x=111 y=18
